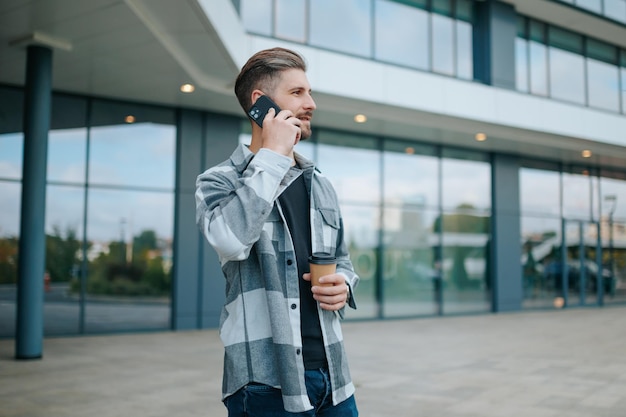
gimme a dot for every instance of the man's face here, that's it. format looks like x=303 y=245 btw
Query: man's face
x=293 y=92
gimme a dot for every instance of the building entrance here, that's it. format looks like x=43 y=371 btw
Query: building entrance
x=580 y=276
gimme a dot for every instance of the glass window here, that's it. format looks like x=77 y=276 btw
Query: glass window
x=541 y=260
x=622 y=71
x=613 y=231
x=348 y=28
x=593 y=5
x=567 y=76
x=540 y=192
x=464 y=225
x=132 y=146
x=603 y=85
x=402 y=35
x=615 y=9
x=11 y=155
x=409 y=261
x=521 y=64
x=411 y=175
x=466 y=183
x=443 y=47
x=538 y=55
x=291 y=20
x=410 y=240
x=577 y=195
x=362 y=226
x=67 y=151
x=352 y=164
x=257 y=16
x=465 y=260
x=10 y=196
x=64 y=245
x=464 y=50
x=538 y=68
x=130 y=256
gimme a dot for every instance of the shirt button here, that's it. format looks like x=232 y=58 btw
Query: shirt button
x=289 y=261
x=297 y=351
x=293 y=306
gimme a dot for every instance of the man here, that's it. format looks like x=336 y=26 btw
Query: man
x=264 y=211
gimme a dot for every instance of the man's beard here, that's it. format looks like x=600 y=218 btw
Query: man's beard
x=306 y=129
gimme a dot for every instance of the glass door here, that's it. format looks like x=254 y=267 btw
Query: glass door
x=581 y=261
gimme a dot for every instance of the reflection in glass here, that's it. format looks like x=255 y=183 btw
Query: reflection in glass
x=443 y=44
x=603 y=85
x=567 y=76
x=352 y=163
x=257 y=16
x=10 y=193
x=347 y=28
x=521 y=64
x=576 y=196
x=66 y=155
x=11 y=155
x=538 y=68
x=593 y=5
x=466 y=184
x=541 y=260
x=64 y=241
x=464 y=50
x=130 y=255
x=410 y=178
x=402 y=35
x=615 y=9
x=540 y=192
x=613 y=232
x=139 y=154
x=361 y=224
x=409 y=269
x=465 y=261
x=623 y=84
x=290 y=20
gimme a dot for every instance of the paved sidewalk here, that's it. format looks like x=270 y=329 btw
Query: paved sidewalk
x=533 y=364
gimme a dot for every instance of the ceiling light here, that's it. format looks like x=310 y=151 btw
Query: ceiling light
x=129 y=119
x=586 y=153
x=187 y=88
x=410 y=150
x=481 y=137
x=360 y=118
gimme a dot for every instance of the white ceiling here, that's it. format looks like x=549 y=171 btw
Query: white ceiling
x=143 y=50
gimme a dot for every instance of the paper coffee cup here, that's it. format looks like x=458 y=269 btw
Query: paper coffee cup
x=321 y=264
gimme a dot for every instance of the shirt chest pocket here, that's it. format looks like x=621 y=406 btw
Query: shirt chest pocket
x=328 y=225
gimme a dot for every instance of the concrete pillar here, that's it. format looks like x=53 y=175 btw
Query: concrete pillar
x=505 y=249
x=32 y=245
x=495 y=30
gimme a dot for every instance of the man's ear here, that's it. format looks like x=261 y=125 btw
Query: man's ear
x=255 y=96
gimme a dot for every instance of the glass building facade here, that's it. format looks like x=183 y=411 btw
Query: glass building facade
x=425 y=218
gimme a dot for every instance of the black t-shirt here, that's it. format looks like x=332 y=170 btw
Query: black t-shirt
x=296 y=206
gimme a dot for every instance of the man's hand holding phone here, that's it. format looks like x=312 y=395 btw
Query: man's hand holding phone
x=280 y=130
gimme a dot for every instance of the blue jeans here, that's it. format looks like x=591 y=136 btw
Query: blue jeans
x=256 y=400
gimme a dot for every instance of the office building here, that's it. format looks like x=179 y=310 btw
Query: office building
x=477 y=148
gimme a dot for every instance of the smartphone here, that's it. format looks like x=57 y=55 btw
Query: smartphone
x=259 y=109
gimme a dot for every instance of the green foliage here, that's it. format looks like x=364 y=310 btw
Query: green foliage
x=62 y=254
x=8 y=260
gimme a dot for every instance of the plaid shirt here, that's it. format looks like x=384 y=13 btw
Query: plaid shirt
x=238 y=212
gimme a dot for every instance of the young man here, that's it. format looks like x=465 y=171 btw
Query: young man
x=264 y=211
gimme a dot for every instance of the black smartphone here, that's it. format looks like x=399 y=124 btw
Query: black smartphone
x=259 y=109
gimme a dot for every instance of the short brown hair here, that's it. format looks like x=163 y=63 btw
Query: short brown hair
x=262 y=71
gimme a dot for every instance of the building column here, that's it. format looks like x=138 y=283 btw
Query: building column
x=495 y=30
x=203 y=140
x=505 y=249
x=32 y=244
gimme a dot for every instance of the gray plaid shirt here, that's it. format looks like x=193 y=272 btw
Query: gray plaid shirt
x=238 y=212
